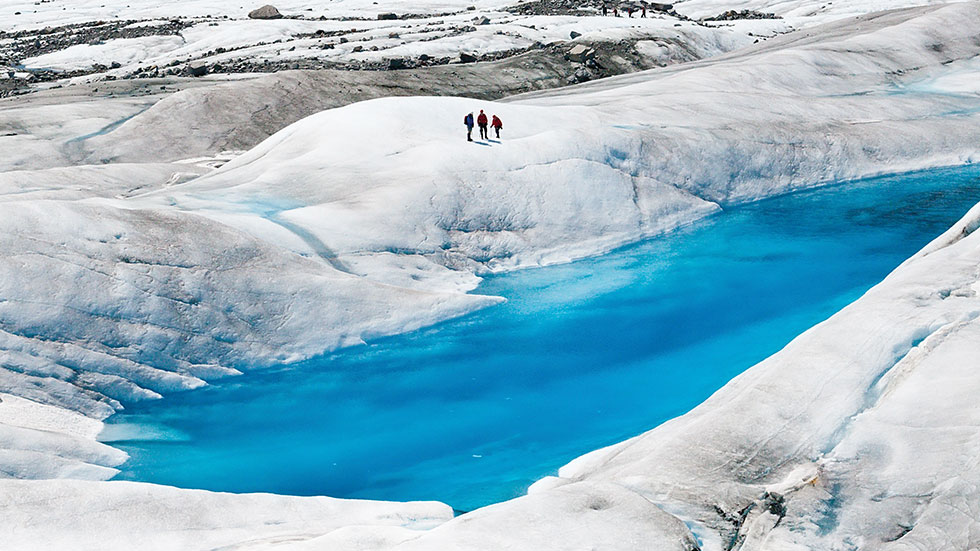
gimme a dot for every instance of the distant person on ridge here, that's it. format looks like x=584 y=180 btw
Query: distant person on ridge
x=482 y=121
x=468 y=121
x=497 y=124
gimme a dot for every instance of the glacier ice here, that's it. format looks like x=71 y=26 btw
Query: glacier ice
x=860 y=434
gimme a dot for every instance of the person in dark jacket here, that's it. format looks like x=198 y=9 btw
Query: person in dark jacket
x=482 y=122
x=468 y=121
x=497 y=124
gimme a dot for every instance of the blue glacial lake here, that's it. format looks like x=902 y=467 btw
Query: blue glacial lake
x=472 y=411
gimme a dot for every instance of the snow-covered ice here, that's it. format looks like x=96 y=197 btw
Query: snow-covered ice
x=125 y=282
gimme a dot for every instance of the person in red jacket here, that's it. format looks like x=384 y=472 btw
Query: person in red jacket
x=481 y=121
x=497 y=124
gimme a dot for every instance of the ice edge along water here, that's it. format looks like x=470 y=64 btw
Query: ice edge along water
x=847 y=83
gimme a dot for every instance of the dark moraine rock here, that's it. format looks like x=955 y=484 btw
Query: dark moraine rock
x=198 y=68
x=265 y=12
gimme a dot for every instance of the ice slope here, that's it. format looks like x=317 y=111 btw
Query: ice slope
x=124 y=515
x=240 y=114
x=170 y=299
x=863 y=433
x=623 y=158
x=794 y=10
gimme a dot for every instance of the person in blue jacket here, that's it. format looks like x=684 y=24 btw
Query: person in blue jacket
x=468 y=121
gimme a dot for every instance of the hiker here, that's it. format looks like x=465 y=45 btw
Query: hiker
x=629 y=10
x=615 y=11
x=482 y=121
x=468 y=121
x=605 y=9
x=497 y=124
x=643 y=7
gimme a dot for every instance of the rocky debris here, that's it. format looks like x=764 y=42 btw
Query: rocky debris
x=17 y=86
x=552 y=7
x=9 y=87
x=15 y=47
x=732 y=15
x=601 y=59
x=622 y=54
x=265 y=12
x=580 y=53
x=581 y=75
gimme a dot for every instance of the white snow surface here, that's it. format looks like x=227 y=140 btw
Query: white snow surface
x=376 y=218
x=219 y=33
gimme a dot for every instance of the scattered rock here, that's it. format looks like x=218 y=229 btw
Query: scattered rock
x=115 y=65
x=483 y=21
x=580 y=53
x=265 y=12
x=358 y=48
x=197 y=68
x=387 y=16
x=396 y=63
x=466 y=58
x=573 y=35
x=732 y=15
x=581 y=75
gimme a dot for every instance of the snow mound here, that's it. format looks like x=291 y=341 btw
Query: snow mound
x=586 y=168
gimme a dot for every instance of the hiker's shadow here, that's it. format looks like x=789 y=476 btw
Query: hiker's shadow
x=478 y=142
x=493 y=141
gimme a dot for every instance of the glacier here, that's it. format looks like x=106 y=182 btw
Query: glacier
x=127 y=281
